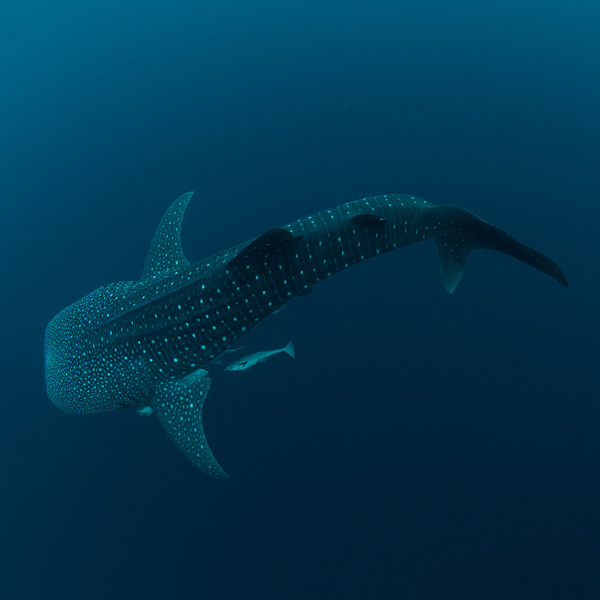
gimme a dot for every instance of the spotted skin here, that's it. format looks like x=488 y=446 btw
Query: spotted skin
x=143 y=343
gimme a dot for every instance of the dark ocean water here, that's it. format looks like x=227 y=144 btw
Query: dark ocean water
x=421 y=445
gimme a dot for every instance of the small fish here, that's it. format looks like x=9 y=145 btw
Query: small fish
x=219 y=359
x=245 y=362
x=230 y=350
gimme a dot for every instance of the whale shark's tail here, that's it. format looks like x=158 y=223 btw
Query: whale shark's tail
x=462 y=232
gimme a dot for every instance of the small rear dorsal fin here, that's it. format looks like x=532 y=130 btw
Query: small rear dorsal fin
x=264 y=246
x=453 y=256
x=368 y=220
x=165 y=252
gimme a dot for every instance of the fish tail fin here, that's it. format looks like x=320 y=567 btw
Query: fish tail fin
x=461 y=232
x=290 y=349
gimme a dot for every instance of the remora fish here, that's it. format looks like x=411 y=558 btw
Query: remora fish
x=219 y=359
x=143 y=343
x=245 y=362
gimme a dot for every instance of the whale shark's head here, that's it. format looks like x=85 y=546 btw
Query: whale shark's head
x=61 y=368
x=66 y=368
x=82 y=375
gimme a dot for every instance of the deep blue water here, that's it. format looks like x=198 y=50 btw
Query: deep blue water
x=421 y=445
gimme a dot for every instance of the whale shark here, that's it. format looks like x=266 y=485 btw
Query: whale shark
x=144 y=343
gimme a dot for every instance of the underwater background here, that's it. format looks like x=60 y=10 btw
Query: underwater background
x=420 y=445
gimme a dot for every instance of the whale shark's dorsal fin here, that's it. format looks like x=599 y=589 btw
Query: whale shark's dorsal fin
x=165 y=251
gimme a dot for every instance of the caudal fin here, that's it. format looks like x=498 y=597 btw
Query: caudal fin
x=462 y=232
x=290 y=349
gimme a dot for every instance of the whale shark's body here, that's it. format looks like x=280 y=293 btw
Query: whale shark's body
x=143 y=343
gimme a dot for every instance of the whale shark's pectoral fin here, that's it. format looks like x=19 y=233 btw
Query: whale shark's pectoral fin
x=165 y=251
x=178 y=406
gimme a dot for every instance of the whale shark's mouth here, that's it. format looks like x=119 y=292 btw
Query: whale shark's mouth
x=59 y=371
x=66 y=374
